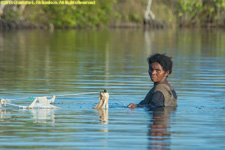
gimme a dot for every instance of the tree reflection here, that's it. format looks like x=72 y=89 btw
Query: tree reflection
x=159 y=133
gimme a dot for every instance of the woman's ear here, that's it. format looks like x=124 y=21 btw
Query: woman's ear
x=167 y=73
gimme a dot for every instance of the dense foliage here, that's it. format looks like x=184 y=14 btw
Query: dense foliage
x=105 y=12
x=201 y=12
x=72 y=15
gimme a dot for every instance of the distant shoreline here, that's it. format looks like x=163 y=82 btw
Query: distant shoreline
x=7 y=25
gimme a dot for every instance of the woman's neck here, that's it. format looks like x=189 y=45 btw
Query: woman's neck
x=163 y=82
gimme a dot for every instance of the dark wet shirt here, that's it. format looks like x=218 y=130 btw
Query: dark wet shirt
x=157 y=99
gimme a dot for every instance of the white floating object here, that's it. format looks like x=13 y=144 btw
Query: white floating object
x=103 y=100
x=38 y=103
x=4 y=102
x=42 y=103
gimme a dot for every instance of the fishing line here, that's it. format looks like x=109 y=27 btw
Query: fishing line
x=41 y=102
x=32 y=98
x=85 y=93
x=118 y=101
x=113 y=97
x=78 y=94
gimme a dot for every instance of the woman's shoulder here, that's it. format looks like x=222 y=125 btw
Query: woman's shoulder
x=160 y=87
x=164 y=88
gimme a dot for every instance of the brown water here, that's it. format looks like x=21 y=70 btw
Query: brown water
x=64 y=62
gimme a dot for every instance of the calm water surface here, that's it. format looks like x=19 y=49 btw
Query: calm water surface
x=65 y=62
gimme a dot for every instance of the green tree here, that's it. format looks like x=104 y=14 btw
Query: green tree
x=200 y=12
x=73 y=15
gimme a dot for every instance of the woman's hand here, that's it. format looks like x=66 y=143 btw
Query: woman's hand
x=132 y=105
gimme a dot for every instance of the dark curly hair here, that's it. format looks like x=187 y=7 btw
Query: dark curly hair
x=163 y=60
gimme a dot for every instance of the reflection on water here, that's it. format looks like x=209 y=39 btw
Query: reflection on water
x=159 y=134
x=4 y=114
x=36 y=115
x=40 y=63
x=43 y=115
x=103 y=115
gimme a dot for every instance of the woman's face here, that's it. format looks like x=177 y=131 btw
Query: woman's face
x=157 y=73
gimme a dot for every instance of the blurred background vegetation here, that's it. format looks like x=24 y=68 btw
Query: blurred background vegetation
x=173 y=13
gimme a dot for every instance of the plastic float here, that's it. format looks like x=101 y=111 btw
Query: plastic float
x=103 y=100
x=38 y=103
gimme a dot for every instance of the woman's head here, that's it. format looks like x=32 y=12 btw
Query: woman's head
x=163 y=60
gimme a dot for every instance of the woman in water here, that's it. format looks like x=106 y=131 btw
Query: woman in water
x=162 y=94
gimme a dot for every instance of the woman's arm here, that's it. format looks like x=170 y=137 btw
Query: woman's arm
x=157 y=100
x=132 y=105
